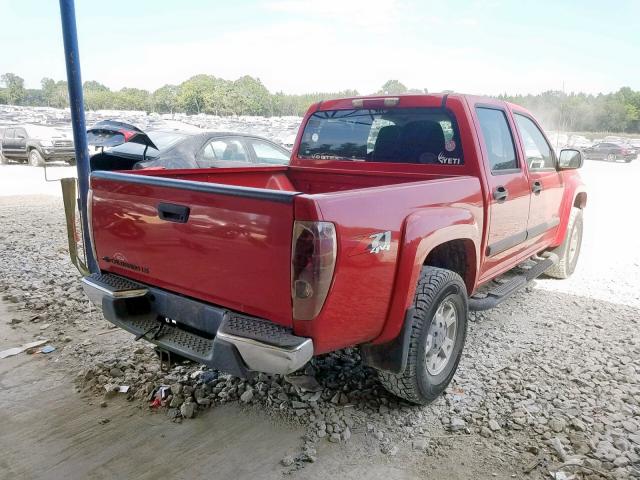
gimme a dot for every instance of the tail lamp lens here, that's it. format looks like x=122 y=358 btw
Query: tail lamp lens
x=313 y=259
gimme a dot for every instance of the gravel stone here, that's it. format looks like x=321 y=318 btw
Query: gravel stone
x=557 y=424
x=188 y=409
x=247 y=396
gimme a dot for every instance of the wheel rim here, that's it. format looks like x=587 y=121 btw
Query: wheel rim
x=611 y=157
x=441 y=337
x=574 y=244
x=32 y=158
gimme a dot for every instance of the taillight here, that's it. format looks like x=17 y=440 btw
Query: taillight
x=313 y=259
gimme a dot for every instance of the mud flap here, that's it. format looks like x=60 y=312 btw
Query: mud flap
x=390 y=356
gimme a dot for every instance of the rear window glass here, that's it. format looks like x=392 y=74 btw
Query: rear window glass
x=162 y=140
x=396 y=135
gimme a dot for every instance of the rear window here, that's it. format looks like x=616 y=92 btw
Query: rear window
x=395 y=135
x=162 y=140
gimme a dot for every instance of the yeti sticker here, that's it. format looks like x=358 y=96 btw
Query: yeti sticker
x=444 y=160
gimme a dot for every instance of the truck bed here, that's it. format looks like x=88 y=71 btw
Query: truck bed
x=292 y=179
x=233 y=246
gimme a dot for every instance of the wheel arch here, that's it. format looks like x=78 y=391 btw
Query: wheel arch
x=428 y=236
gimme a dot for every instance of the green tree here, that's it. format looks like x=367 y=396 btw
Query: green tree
x=48 y=88
x=165 y=99
x=60 y=97
x=193 y=92
x=15 y=88
x=96 y=96
x=392 y=87
x=131 y=99
x=250 y=97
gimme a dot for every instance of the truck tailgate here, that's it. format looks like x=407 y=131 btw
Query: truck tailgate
x=227 y=245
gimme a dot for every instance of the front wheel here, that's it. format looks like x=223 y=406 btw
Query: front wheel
x=438 y=333
x=35 y=158
x=569 y=251
x=611 y=157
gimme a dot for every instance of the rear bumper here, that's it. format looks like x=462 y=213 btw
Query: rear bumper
x=208 y=334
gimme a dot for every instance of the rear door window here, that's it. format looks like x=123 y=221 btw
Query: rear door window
x=497 y=139
x=393 y=135
x=222 y=152
x=266 y=153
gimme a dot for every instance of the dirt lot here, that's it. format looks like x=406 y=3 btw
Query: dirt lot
x=549 y=383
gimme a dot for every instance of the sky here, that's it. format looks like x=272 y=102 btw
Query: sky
x=298 y=46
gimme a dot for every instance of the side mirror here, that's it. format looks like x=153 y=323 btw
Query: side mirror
x=570 y=159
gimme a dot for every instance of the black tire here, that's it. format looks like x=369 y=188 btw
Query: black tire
x=35 y=158
x=3 y=159
x=72 y=162
x=568 y=254
x=612 y=157
x=416 y=384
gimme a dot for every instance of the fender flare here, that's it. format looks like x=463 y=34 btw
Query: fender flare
x=423 y=231
x=33 y=146
x=568 y=202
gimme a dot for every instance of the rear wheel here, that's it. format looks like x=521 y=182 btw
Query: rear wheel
x=72 y=162
x=35 y=158
x=569 y=251
x=438 y=334
x=3 y=159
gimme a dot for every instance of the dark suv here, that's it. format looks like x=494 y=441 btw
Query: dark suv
x=36 y=144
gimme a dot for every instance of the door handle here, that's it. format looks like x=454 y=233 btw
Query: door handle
x=500 y=194
x=536 y=187
x=173 y=213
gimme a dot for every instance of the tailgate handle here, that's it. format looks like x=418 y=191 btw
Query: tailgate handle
x=173 y=213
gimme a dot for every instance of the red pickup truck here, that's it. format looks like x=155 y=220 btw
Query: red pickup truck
x=391 y=215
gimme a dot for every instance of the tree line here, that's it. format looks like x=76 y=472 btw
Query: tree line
x=611 y=112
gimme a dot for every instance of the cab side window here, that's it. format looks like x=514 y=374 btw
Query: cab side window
x=537 y=150
x=497 y=139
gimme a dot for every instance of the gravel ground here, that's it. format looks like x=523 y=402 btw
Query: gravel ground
x=549 y=385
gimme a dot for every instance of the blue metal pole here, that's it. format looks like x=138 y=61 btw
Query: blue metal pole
x=76 y=101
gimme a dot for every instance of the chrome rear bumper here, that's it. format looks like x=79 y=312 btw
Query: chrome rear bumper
x=211 y=335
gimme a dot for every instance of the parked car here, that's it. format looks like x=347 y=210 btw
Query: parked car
x=37 y=144
x=610 y=151
x=579 y=142
x=392 y=214
x=178 y=150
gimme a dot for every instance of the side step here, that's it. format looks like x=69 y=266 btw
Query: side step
x=500 y=293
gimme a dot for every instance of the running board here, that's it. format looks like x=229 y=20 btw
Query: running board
x=500 y=293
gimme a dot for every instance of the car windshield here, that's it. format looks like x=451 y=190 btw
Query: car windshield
x=163 y=140
x=395 y=135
